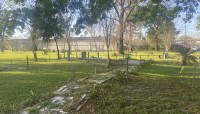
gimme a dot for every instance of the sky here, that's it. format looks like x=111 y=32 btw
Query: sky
x=190 y=26
x=180 y=26
x=179 y=23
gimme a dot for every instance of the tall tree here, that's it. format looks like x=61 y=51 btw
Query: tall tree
x=189 y=7
x=31 y=26
x=49 y=14
x=90 y=11
x=132 y=31
x=9 y=21
x=68 y=20
x=154 y=13
x=153 y=38
x=167 y=32
x=50 y=20
x=124 y=9
x=107 y=25
x=93 y=31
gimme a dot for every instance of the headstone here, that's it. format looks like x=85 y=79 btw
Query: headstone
x=83 y=55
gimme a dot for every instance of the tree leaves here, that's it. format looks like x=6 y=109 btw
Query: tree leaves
x=93 y=11
x=185 y=53
x=9 y=20
x=187 y=6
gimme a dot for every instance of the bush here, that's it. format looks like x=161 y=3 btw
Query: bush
x=134 y=72
x=120 y=73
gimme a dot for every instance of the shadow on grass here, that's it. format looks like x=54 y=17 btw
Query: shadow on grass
x=41 y=78
x=169 y=68
x=144 y=94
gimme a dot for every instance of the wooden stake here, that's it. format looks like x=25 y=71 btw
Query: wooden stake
x=11 y=65
x=88 y=56
x=27 y=62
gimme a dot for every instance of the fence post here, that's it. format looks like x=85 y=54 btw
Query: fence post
x=98 y=54
x=88 y=55
x=11 y=65
x=27 y=62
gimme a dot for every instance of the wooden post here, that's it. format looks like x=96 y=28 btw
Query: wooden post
x=98 y=54
x=88 y=55
x=11 y=65
x=27 y=62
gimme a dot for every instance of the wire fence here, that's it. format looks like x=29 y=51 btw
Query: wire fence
x=27 y=62
x=51 y=65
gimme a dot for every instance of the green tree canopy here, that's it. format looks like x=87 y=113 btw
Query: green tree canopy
x=9 y=21
x=153 y=13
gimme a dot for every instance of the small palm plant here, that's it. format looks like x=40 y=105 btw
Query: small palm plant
x=185 y=53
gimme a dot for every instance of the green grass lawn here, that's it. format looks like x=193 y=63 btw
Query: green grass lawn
x=157 y=89
x=23 y=87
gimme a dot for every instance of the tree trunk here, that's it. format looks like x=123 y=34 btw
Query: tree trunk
x=34 y=49
x=2 y=44
x=2 y=47
x=166 y=52
x=156 y=45
x=35 y=55
x=48 y=48
x=108 y=53
x=69 y=51
x=76 y=49
x=121 y=36
x=69 y=45
x=64 y=50
x=184 y=61
x=58 y=52
x=121 y=44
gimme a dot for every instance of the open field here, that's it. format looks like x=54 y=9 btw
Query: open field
x=21 y=86
x=156 y=87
